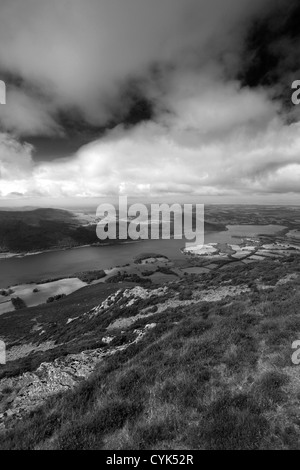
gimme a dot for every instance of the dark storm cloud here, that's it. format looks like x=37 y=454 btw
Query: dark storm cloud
x=271 y=56
x=80 y=54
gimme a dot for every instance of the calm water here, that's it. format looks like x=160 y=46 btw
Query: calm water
x=15 y=271
x=232 y=236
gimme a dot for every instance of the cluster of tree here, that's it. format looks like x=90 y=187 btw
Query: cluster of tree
x=55 y=298
x=18 y=303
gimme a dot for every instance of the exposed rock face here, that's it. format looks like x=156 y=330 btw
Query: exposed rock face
x=131 y=295
x=31 y=389
x=138 y=293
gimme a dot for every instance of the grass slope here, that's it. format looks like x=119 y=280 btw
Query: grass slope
x=210 y=375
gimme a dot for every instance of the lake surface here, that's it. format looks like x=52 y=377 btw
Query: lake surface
x=14 y=271
x=234 y=232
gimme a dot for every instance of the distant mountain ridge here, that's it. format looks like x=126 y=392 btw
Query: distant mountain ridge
x=42 y=229
x=45 y=229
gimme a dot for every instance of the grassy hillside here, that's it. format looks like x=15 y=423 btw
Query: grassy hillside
x=44 y=229
x=212 y=369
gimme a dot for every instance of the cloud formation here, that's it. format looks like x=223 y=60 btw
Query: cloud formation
x=222 y=143
x=212 y=129
x=81 y=54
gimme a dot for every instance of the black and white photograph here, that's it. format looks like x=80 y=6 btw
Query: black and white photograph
x=149 y=227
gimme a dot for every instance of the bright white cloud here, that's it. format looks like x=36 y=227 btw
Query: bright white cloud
x=179 y=153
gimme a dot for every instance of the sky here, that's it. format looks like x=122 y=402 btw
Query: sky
x=149 y=98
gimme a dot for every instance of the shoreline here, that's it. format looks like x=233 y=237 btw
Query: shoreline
x=75 y=277
x=9 y=255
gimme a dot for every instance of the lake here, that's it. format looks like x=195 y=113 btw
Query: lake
x=14 y=271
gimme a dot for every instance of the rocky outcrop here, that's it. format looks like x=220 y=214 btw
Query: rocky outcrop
x=25 y=393
x=129 y=297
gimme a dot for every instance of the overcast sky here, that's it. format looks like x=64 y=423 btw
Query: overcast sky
x=150 y=98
